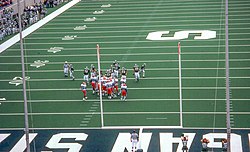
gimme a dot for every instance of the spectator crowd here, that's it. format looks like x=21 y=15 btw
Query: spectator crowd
x=31 y=14
x=4 y=3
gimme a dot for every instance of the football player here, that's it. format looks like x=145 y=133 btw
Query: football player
x=108 y=73
x=134 y=138
x=109 y=87
x=116 y=85
x=204 y=143
x=71 y=72
x=124 y=71
x=123 y=79
x=66 y=69
x=94 y=83
x=84 y=90
x=143 y=69
x=86 y=74
x=136 y=72
x=116 y=68
x=124 y=90
x=184 y=140
x=104 y=86
x=224 y=144
x=92 y=70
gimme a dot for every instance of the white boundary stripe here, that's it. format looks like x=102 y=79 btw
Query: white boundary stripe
x=123 y=127
x=124 y=113
x=37 y=25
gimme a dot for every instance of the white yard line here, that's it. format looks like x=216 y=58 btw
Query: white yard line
x=148 y=69
x=144 y=88
x=148 y=61
x=144 y=18
x=123 y=113
x=166 y=11
x=117 y=100
x=176 y=2
x=142 y=22
x=133 y=26
x=147 y=78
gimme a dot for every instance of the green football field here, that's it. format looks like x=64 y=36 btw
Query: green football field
x=121 y=31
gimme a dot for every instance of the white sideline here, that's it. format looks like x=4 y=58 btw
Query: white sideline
x=37 y=25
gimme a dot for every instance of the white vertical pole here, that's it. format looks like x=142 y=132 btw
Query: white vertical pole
x=180 y=83
x=227 y=81
x=100 y=87
x=26 y=118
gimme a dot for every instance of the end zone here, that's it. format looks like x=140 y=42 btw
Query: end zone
x=117 y=140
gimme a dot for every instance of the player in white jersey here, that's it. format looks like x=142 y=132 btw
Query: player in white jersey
x=84 y=90
x=143 y=66
x=134 y=138
x=93 y=70
x=123 y=79
x=109 y=85
x=124 y=91
x=136 y=72
x=71 y=72
x=103 y=82
x=66 y=69
x=86 y=73
x=94 y=83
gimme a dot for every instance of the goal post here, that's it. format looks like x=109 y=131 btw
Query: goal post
x=99 y=82
x=180 y=82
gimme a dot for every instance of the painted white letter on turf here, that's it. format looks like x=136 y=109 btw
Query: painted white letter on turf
x=123 y=142
x=167 y=140
x=205 y=34
x=54 y=142
x=3 y=136
x=21 y=144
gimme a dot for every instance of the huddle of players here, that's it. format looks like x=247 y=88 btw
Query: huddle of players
x=109 y=80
